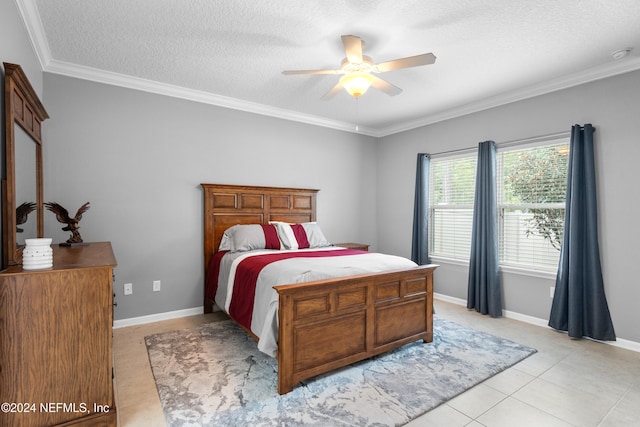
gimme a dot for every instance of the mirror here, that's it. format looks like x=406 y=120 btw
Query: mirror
x=22 y=195
x=26 y=187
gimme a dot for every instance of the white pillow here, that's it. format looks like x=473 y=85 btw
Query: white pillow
x=225 y=243
x=249 y=237
x=301 y=236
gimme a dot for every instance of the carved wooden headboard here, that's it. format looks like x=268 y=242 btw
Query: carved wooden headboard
x=228 y=205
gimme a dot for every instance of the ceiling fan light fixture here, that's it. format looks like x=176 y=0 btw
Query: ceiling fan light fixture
x=357 y=68
x=356 y=83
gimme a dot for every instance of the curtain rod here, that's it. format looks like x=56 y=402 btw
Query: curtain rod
x=512 y=142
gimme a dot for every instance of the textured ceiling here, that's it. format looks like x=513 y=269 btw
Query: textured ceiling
x=232 y=52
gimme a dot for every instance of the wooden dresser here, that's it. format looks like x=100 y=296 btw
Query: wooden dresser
x=56 y=364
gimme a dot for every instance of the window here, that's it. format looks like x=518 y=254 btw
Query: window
x=532 y=184
x=452 y=185
x=531 y=192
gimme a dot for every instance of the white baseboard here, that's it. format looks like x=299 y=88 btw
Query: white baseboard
x=622 y=343
x=626 y=344
x=132 y=321
x=452 y=300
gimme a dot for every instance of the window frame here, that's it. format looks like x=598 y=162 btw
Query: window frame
x=469 y=154
x=541 y=271
x=503 y=206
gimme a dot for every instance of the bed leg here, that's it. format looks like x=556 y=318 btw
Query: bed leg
x=284 y=387
x=208 y=306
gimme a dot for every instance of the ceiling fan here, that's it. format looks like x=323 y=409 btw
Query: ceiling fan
x=358 y=70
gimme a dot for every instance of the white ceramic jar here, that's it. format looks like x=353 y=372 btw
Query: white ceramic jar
x=37 y=254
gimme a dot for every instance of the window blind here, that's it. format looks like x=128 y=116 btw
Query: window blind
x=531 y=202
x=452 y=184
x=531 y=191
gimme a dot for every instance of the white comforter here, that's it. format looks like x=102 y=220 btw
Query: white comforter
x=264 y=323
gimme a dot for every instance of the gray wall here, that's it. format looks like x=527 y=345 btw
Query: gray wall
x=613 y=107
x=15 y=47
x=139 y=159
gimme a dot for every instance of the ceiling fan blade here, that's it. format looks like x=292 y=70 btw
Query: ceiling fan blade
x=385 y=86
x=293 y=72
x=337 y=88
x=353 y=48
x=411 y=61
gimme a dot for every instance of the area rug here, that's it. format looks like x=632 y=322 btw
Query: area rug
x=214 y=375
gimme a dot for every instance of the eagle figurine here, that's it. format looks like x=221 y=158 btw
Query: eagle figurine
x=22 y=214
x=62 y=215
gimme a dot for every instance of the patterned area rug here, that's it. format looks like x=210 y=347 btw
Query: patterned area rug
x=213 y=375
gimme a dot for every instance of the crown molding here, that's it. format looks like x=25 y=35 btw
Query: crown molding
x=565 y=82
x=136 y=83
x=33 y=23
x=597 y=73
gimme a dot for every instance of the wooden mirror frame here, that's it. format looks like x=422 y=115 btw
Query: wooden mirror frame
x=22 y=107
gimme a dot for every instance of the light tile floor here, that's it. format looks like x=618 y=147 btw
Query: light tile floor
x=566 y=383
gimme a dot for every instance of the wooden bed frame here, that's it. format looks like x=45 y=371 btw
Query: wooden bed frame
x=325 y=324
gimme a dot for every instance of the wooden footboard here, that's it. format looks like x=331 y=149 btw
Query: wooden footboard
x=327 y=324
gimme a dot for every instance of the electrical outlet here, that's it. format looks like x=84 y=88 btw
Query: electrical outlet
x=156 y=286
x=128 y=288
x=552 y=290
